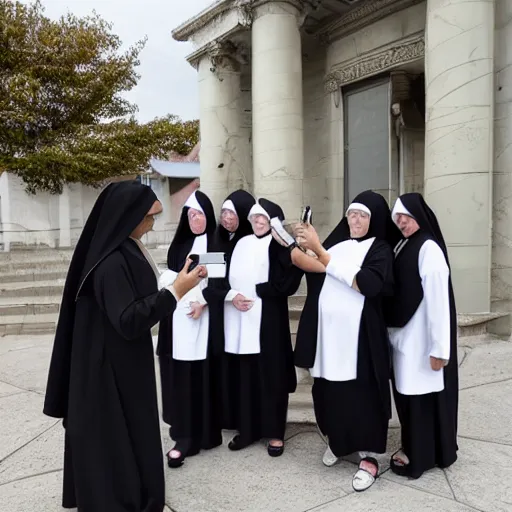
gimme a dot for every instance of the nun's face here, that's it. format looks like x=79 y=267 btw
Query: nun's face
x=407 y=225
x=148 y=221
x=196 y=221
x=358 y=222
x=260 y=224
x=229 y=220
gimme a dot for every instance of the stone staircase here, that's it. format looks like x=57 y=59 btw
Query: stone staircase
x=32 y=282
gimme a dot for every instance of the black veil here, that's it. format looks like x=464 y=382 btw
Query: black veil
x=381 y=224
x=117 y=212
x=183 y=240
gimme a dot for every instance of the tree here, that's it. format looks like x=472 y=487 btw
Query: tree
x=63 y=118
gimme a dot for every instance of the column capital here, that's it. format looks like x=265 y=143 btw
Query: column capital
x=223 y=56
x=299 y=8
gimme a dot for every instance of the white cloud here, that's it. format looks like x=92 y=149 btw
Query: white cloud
x=168 y=83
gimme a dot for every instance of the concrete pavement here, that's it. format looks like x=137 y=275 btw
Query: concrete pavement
x=31 y=448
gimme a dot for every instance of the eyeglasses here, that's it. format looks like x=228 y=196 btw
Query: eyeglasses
x=352 y=214
x=192 y=214
x=227 y=213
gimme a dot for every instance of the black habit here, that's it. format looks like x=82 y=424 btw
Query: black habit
x=354 y=414
x=190 y=389
x=102 y=374
x=262 y=381
x=215 y=295
x=429 y=421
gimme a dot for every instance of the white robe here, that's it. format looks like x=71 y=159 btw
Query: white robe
x=249 y=267
x=190 y=336
x=339 y=313
x=428 y=332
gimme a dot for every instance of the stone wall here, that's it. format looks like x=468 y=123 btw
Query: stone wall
x=393 y=28
x=316 y=182
x=54 y=221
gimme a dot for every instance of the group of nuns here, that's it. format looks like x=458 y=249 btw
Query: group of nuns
x=379 y=307
x=225 y=353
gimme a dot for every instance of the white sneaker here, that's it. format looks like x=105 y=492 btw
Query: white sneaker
x=329 y=459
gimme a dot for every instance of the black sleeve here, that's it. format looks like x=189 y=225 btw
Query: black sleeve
x=284 y=276
x=114 y=291
x=375 y=276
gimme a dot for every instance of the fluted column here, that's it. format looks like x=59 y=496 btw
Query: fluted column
x=223 y=153
x=502 y=203
x=459 y=73
x=278 y=159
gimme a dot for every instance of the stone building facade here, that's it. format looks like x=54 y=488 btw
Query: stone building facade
x=312 y=101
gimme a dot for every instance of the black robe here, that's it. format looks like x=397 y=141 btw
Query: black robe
x=429 y=421
x=354 y=414
x=191 y=390
x=215 y=295
x=259 y=398
x=102 y=379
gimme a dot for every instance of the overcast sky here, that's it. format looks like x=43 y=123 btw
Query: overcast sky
x=168 y=82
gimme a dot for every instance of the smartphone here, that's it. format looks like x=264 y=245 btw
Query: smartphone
x=215 y=263
x=307 y=215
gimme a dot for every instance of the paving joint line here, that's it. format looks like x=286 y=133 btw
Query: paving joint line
x=28 y=442
x=486 y=384
x=436 y=495
x=21 y=478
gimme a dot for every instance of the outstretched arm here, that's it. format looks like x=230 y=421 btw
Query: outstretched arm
x=306 y=263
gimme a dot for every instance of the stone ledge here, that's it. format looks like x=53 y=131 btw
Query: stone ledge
x=481 y=323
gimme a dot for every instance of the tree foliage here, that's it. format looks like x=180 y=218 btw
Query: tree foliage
x=63 y=117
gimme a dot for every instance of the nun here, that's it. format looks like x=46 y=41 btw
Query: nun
x=102 y=376
x=423 y=334
x=183 y=349
x=257 y=332
x=233 y=226
x=342 y=337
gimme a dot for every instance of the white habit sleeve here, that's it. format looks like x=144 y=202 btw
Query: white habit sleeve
x=434 y=274
x=343 y=271
x=167 y=278
x=231 y=295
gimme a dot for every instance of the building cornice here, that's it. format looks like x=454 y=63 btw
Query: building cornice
x=200 y=20
x=375 y=62
x=362 y=16
x=245 y=9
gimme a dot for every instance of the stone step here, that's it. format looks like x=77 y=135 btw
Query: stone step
x=36 y=305
x=300 y=408
x=32 y=289
x=36 y=254
x=42 y=265
x=28 y=324
x=34 y=275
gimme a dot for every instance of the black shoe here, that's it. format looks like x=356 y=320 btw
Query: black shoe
x=237 y=444
x=275 y=451
x=175 y=462
x=186 y=449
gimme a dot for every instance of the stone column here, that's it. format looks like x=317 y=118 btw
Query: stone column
x=277 y=129
x=64 y=218
x=222 y=154
x=502 y=212
x=459 y=73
